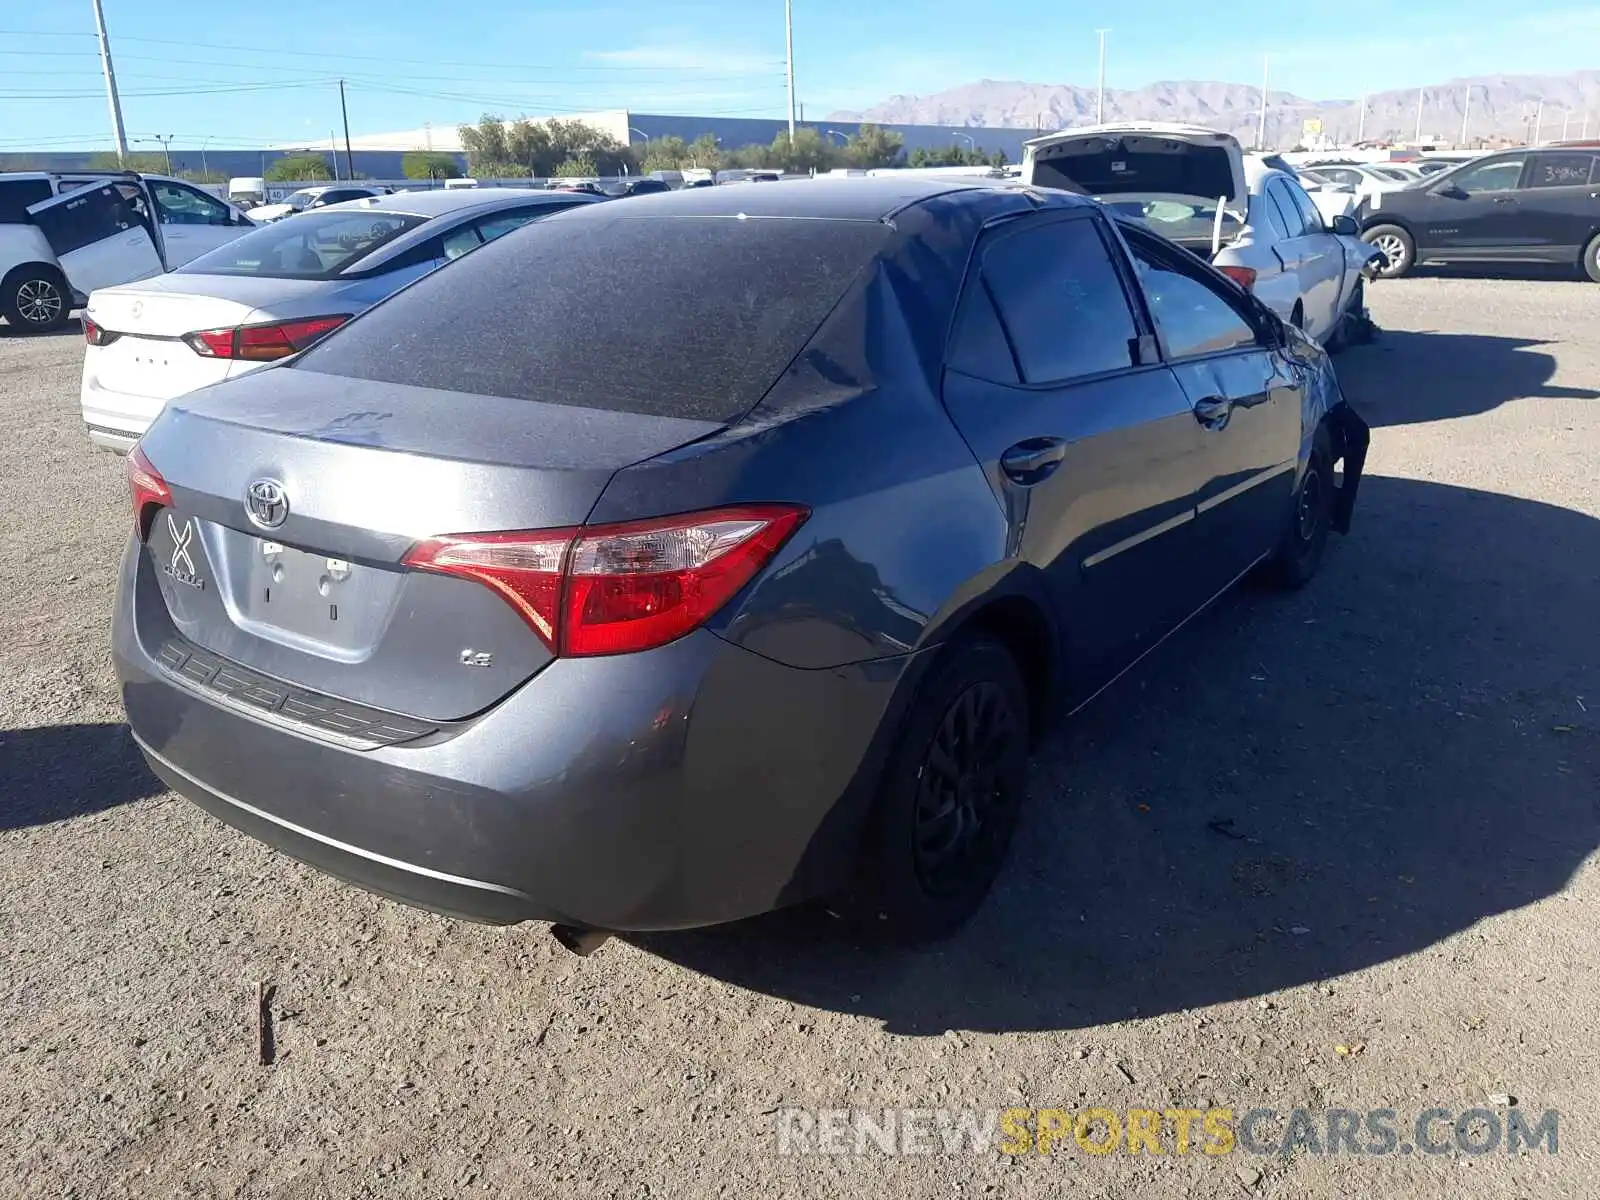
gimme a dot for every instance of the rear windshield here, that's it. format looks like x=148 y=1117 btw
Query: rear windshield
x=691 y=317
x=314 y=245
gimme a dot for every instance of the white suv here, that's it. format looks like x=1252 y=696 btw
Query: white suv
x=64 y=235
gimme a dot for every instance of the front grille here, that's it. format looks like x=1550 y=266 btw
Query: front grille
x=317 y=714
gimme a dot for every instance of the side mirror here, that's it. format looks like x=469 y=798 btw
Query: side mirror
x=1345 y=225
x=1450 y=190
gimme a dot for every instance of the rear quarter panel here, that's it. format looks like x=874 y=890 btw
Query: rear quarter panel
x=904 y=529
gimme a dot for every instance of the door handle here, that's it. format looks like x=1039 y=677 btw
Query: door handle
x=1213 y=411
x=1505 y=200
x=1031 y=460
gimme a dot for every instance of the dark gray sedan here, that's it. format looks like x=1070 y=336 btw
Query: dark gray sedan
x=663 y=563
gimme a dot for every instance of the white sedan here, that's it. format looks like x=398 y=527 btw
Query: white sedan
x=1198 y=188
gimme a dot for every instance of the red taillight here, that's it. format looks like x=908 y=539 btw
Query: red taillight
x=1245 y=277
x=613 y=589
x=262 y=343
x=147 y=487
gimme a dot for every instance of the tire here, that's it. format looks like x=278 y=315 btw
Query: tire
x=1305 y=534
x=1398 y=247
x=35 y=299
x=948 y=799
x=1591 y=258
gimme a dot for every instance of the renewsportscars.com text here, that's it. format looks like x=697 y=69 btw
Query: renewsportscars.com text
x=1213 y=1131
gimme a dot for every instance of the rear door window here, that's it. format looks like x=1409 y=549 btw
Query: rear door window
x=980 y=348
x=1061 y=300
x=90 y=215
x=1497 y=175
x=1310 y=216
x=1192 y=310
x=691 y=317
x=1284 y=207
x=1561 y=170
x=315 y=245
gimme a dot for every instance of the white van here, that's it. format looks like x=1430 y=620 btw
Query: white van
x=247 y=191
x=64 y=235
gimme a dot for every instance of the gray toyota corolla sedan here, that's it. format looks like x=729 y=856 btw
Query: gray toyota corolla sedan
x=663 y=563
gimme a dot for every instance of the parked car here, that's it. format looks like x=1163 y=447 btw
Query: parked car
x=309 y=198
x=581 y=187
x=465 y=606
x=1198 y=188
x=1524 y=206
x=643 y=187
x=63 y=235
x=1365 y=179
x=273 y=292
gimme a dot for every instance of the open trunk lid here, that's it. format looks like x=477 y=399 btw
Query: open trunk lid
x=1111 y=160
x=311 y=589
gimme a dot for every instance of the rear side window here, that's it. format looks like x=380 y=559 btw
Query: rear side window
x=1188 y=303
x=1561 y=170
x=1310 y=216
x=1061 y=300
x=16 y=195
x=690 y=317
x=93 y=214
x=980 y=348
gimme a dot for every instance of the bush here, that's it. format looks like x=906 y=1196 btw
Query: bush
x=430 y=164
x=298 y=167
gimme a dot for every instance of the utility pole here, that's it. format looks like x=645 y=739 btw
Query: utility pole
x=1566 y=117
x=349 y=164
x=111 y=84
x=1100 y=92
x=166 y=147
x=1584 y=132
x=333 y=153
x=1361 y=120
x=1466 y=114
x=1417 y=137
x=1261 y=131
x=1538 y=123
x=788 y=39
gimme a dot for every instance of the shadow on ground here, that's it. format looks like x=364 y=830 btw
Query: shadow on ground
x=73 y=328
x=1295 y=788
x=52 y=772
x=1409 y=377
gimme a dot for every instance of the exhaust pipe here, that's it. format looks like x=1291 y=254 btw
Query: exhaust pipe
x=579 y=941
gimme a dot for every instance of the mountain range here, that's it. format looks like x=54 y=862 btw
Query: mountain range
x=1502 y=108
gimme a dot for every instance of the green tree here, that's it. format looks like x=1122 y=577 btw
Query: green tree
x=874 y=146
x=296 y=167
x=485 y=142
x=809 y=151
x=705 y=153
x=666 y=154
x=581 y=167
x=429 y=164
x=749 y=157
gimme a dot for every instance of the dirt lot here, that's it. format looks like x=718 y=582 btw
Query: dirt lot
x=1361 y=817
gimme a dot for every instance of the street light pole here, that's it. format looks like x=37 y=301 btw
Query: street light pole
x=1538 y=123
x=1100 y=91
x=1466 y=115
x=166 y=148
x=349 y=159
x=1361 y=119
x=1417 y=137
x=111 y=84
x=1261 y=131
x=788 y=39
x=972 y=145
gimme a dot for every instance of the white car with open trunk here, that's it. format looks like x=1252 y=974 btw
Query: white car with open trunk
x=1198 y=188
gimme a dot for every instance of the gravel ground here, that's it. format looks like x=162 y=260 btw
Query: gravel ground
x=1362 y=817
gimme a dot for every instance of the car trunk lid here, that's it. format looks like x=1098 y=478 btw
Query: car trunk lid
x=1149 y=171
x=352 y=474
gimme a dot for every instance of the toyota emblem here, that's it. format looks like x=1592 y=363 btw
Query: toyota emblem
x=267 y=503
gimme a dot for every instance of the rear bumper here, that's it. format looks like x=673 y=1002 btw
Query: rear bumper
x=116 y=420
x=690 y=785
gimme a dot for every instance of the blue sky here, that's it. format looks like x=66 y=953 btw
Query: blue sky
x=244 y=74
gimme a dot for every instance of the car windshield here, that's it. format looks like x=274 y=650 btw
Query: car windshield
x=298 y=200
x=315 y=245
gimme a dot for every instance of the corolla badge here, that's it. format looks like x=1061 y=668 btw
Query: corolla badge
x=267 y=503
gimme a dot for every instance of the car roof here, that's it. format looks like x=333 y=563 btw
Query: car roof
x=439 y=201
x=847 y=198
